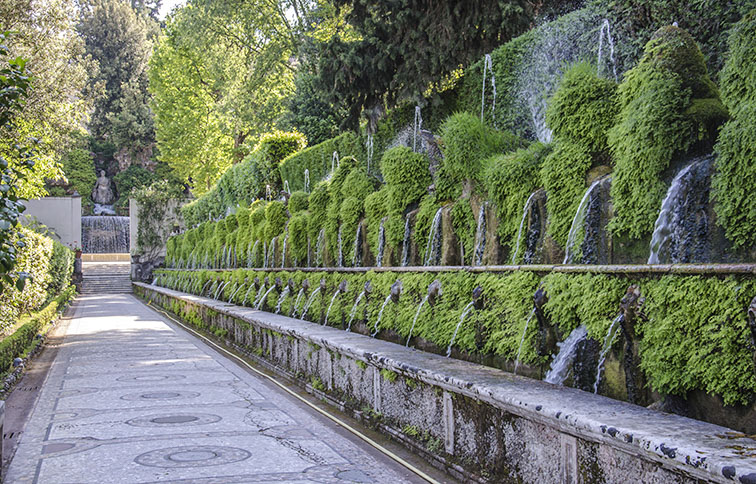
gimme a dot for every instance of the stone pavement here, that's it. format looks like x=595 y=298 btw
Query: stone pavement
x=132 y=399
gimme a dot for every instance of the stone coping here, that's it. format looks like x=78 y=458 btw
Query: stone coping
x=700 y=449
x=657 y=269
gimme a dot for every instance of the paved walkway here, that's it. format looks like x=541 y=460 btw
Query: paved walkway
x=130 y=398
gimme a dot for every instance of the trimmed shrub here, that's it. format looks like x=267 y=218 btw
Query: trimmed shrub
x=465 y=225
x=275 y=218
x=735 y=176
x=659 y=121
x=298 y=202
x=298 y=240
x=406 y=176
x=317 y=160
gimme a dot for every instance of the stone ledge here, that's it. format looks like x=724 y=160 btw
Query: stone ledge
x=690 y=448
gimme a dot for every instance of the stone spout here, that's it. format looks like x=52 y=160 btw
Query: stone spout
x=292 y=285
x=631 y=309
x=343 y=286
x=477 y=297
x=368 y=288
x=306 y=284
x=752 y=326
x=323 y=285
x=396 y=291
x=434 y=292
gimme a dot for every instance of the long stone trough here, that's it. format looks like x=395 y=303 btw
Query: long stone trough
x=485 y=423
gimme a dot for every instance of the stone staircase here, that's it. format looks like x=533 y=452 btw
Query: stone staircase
x=106 y=278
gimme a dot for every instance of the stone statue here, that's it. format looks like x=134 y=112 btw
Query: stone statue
x=102 y=192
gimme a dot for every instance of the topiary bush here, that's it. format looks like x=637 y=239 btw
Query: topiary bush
x=583 y=108
x=668 y=108
x=466 y=142
x=298 y=202
x=298 y=239
x=735 y=177
x=509 y=180
x=275 y=219
x=406 y=176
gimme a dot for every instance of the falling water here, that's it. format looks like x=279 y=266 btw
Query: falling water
x=467 y=309
x=293 y=312
x=309 y=302
x=238 y=288
x=283 y=251
x=333 y=299
x=246 y=295
x=417 y=127
x=353 y=312
x=577 y=222
x=369 y=149
x=433 y=249
x=522 y=224
x=680 y=229
x=608 y=341
x=335 y=162
x=356 y=255
x=307 y=180
x=412 y=328
x=286 y=187
x=319 y=248
x=381 y=243
x=262 y=300
x=341 y=252
x=204 y=288
x=480 y=236
x=281 y=299
x=406 y=242
x=220 y=289
x=522 y=340
x=104 y=235
x=606 y=32
x=265 y=255
x=272 y=252
x=258 y=296
x=488 y=67
x=380 y=316
x=562 y=363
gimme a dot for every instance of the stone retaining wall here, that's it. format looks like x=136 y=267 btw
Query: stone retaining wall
x=501 y=427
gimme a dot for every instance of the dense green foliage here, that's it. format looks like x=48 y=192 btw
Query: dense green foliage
x=298 y=201
x=132 y=178
x=735 y=177
x=465 y=224
x=668 y=107
x=466 y=143
x=48 y=265
x=317 y=160
x=16 y=344
x=406 y=176
x=509 y=181
x=696 y=336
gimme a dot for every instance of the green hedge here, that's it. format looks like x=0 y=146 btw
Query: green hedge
x=16 y=344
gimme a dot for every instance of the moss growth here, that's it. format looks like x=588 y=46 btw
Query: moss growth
x=361 y=365
x=298 y=240
x=656 y=125
x=376 y=208
x=509 y=181
x=275 y=218
x=388 y=375
x=298 y=202
x=465 y=225
x=406 y=175
x=735 y=177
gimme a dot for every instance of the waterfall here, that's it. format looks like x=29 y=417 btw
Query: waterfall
x=283 y=249
x=522 y=224
x=406 y=242
x=433 y=249
x=309 y=302
x=319 y=248
x=369 y=149
x=286 y=187
x=465 y=311
x=333 y=299
x=335 y=162
x=341 y=251
x=605 y=32
x=414 y=320
x=577 y=222
x=522 y=340
x=608 y=342
x=265 y=255
x=488 y=67
x=307 y=180
x=293 y=312
x=562 y=363
x=480 y=236
x=357 y=255
x=418 y=125
x=281 y=299
x=682 y=225
x=262 y=300
x=380 y=316
x=353 y=312
x=381 y=243
x=104 y=235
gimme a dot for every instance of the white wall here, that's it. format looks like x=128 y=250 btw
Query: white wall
x=62 y=214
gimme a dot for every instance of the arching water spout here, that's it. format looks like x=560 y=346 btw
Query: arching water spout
x=394 y=295
x=434 y=292
x=433 y=249
x=488 y=67
x=307 y=180
x=353 y=312
x=480 y=236
x=577 y=222
x=406 y=242
x=605 y=348
x=418 y=125
x=462 y=317
x=605 y=32
x=312 y=298
x=522 y=224
x=522 y=340
x=562 y=363
x=381 y=243
x=339 y=290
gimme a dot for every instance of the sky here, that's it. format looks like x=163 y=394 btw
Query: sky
x=168 y=5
